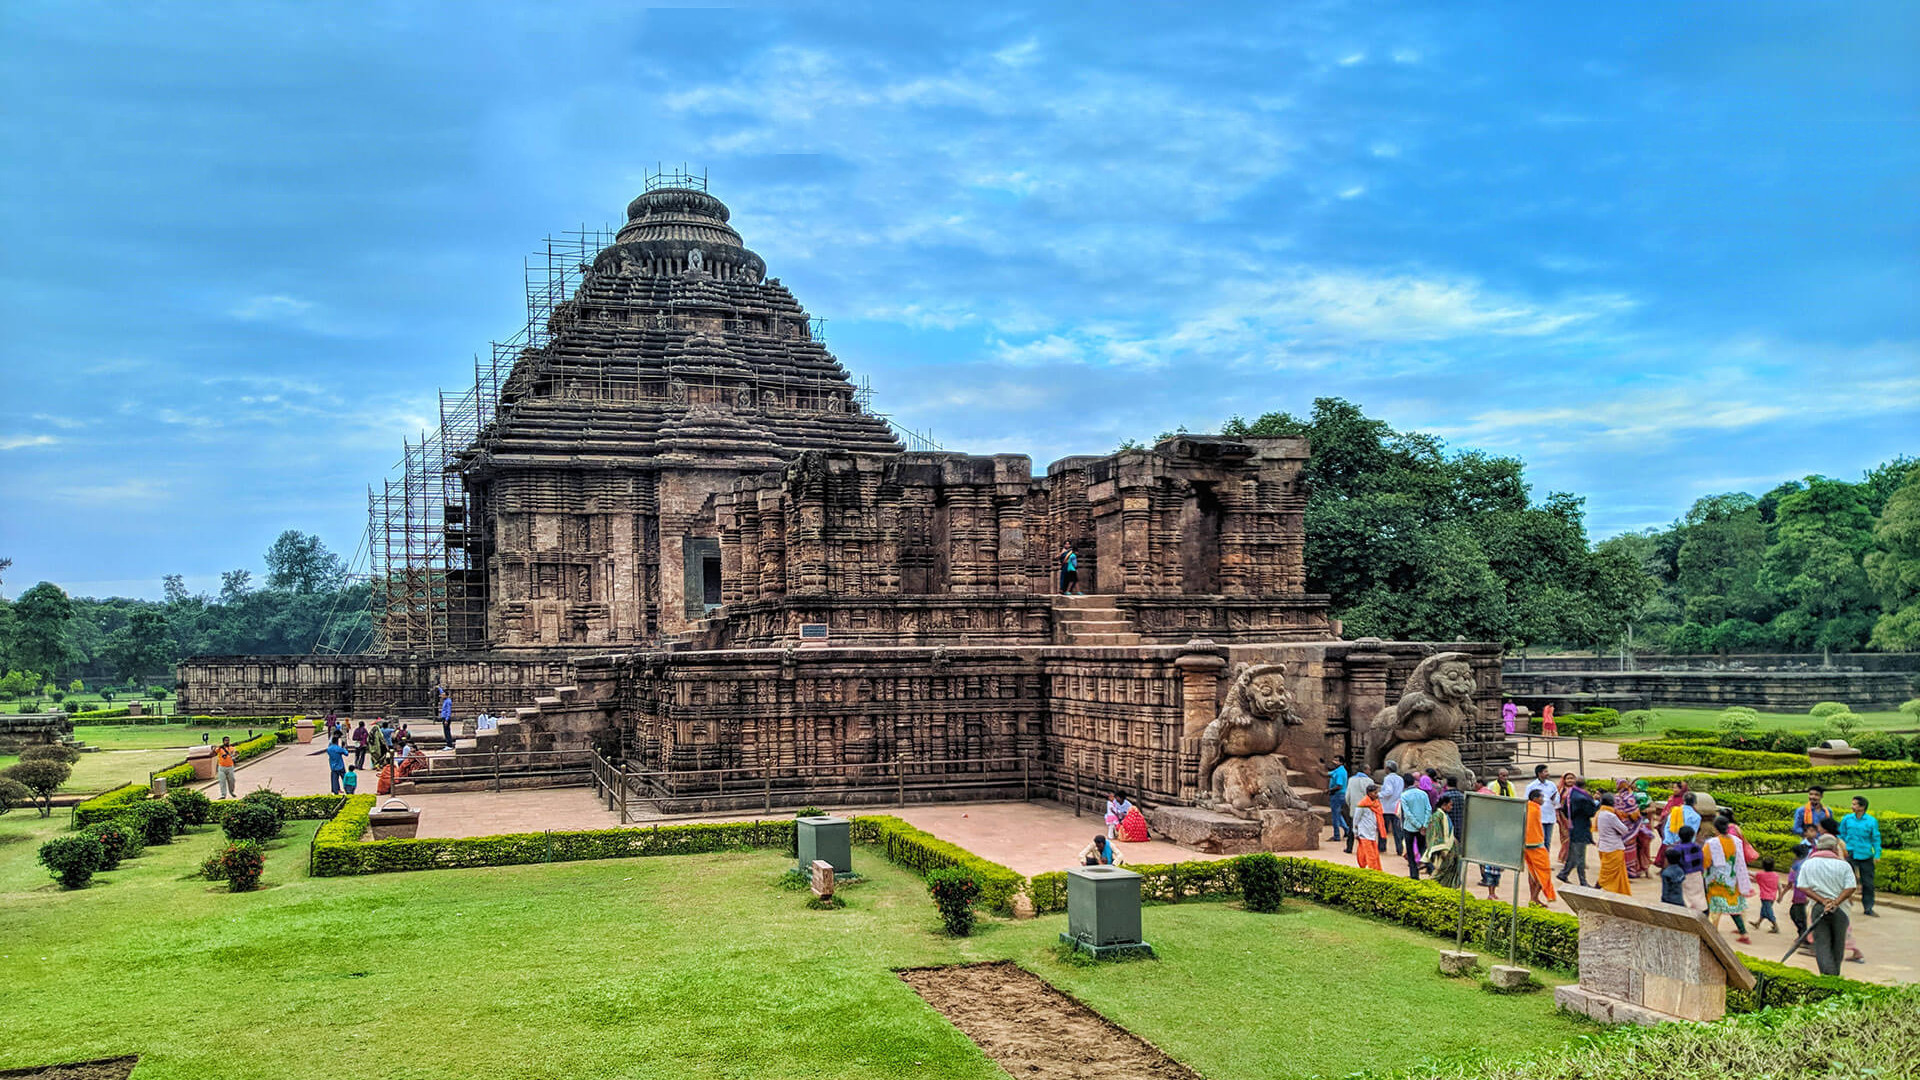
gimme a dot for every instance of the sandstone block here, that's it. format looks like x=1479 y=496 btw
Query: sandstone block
x=1504 y=977
x=1457 y=963
x=1205 y=830
x=1289 y=830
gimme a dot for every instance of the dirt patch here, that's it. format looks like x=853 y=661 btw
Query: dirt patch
x=1031 y=1029
x=101 y=1069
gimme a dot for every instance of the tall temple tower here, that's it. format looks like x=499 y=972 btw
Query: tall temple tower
x=675 y=368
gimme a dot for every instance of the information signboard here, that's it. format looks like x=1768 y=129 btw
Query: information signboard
x=1496 y=831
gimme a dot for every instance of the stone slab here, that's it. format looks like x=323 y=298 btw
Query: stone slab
x=1607 y=1010
x=1666 y=916
x=1289 y=830
x=1508 y=978
x=1205 y=830
x=1457 y=963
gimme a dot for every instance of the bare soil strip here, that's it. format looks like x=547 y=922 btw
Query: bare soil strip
x=102 y=1069
x=1033 y=1030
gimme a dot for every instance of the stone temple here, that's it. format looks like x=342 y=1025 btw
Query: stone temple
x=674 y=532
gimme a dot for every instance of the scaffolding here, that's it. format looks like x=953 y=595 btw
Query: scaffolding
x=426 y=547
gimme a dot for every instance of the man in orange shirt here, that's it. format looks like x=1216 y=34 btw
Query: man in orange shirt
x=1539 y=866
x=223 y=766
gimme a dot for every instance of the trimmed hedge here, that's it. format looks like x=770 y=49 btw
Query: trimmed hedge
x=117 y=717
x=1896 y=872
x=107 y=804
x=1705 y=756
x=1867 y=774
x=922 y=852
x=182 y=774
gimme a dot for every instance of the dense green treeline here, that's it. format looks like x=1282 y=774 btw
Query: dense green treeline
x=306 y=602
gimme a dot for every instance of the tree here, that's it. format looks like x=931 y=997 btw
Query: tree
x=141 y=647
x=299 y=563
x=20 y=685
x=1893 y=567
x=235 y=585
x=40 y=620
x=42 y=778
x=174 y=587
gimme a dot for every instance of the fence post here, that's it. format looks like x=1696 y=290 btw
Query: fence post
x=623 y=793
x=766 y=781
x=1580 y=748
x=1026 y=780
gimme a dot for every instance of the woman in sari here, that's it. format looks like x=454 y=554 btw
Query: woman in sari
x=1539 y=865
x=1443 y=862
x=1724 y=876
x=1561 y=817
x=1611 y=833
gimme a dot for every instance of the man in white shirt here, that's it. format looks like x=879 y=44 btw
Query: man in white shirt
x=1390 y=789
x=1829 y=881
x=1549 y=801
x=1356 y=790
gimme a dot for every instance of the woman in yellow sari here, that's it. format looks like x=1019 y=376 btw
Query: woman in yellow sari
x=1539 y=863
x=1611 y=835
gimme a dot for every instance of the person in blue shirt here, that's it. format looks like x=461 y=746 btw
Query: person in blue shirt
x=446 y=718
x=1806 y=819
x=1337 y=798
x=336 y=762
x=1860 y=832
x=1415 y=809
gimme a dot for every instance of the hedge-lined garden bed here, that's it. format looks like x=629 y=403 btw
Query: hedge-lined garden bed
x=107 y=804
x=1707 y=756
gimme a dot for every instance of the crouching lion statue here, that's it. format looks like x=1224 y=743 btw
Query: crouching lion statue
x=1418 y=733
x=1240 y=771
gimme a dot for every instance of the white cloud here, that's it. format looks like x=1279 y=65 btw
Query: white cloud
x=1384 y=150
x=1353 y=192
x=276 y=308
x=1406 y=56
x=23 y=442
x=65 y=423
x=1352 y=58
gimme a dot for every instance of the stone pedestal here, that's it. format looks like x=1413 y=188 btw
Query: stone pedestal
x=1456 y=964
x=1648 y=963
x=201 y=758
x=1289 y=830
x=303 y=731
x=1103 y=911
x=822 y=879
x=1205 y=830
x=825 y=838
x=1833 y=752
x=1504 y=977
x=394 y=821
x=159 y=786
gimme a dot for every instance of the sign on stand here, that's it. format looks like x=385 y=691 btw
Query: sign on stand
x=1496 y=835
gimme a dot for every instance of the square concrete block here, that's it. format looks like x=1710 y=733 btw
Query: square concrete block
x=1103 y=905
x=826 y=838
x=1508 y=978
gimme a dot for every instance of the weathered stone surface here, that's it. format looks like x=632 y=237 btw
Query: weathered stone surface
x=1508 y=978
x=1457 y=963
x=1205 y=830
x=1289 y=830
x=1657 y=957
x=1436 y=704
x=1241 y=769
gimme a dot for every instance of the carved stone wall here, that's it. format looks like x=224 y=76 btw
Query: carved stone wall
x=363 y=685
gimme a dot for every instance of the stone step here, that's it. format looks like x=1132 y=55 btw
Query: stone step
x=1100 y=640
x=566 y=693
x=1095 y=626
x=1084 y=602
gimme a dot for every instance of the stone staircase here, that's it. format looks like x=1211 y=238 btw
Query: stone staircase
x=1092 y=621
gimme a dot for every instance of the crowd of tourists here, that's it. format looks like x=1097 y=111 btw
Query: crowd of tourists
x=1699 y=855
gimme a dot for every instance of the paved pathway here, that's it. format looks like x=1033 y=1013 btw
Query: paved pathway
x=1029 y=838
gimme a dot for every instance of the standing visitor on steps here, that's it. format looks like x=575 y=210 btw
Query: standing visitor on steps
x=1860 y=832
x=1829 y=883
x=1069 y=571
x=1579 y=812
x=1415 y=812
x=1549 y=793
x=1611 y=835
x=1391 y=785
x=223 y=762
x=1367 y=822
x=1539 y=865
x=446 y=718
x=336 y=763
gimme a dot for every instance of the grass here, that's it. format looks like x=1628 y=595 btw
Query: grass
x=147 y=737
x=1772 y=721
x=95 y=701
x=1906 y=800
x=692 y=966
x=95 y=773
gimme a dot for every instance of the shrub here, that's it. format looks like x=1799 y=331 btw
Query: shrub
x=41 y=779
x=1638 y=720
x=213 y=868
x=954 y=891
x=157 y=693
x=1882 y=746
x=1827 y=708
x=13 y=793
x=255 y=821
x=1704 y=756
x=1790 y=742
x=71 y=706
x=1738 y=720
x=241 y=864
x=273 y=800
x=193 y=806
x=74 y=858
x=1912 y=708
x=1690 y=734
x=1846 y=723
x=119 y=841
x=156 y=820
x=50 y=752
x=1260 y=884
x=921 y=852
x=108 y=804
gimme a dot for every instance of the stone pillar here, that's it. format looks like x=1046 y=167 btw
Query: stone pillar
x=1136 y=540
x=1367 y=690
x=1200 y=663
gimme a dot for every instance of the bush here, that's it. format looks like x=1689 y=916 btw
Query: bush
x=257 y=821
x=13 y=793
x=73 y=859
x=1705 y=757
x=120 y=842
x=157 y=693
x=1791 y=742
x=1690 y=734
x=1260 y=883
x=1883 y=746
x=1738 y=720
x=50 y=752
x=156 y=820
x=272 y=800
x=954 y=890
x=193 y=806
x=1638 y=720
x=1912 y=708
x=41 y=779
x=241 y=864
x=72 y=707
x=107 y=805
x=1828 y=708
x=213 y=868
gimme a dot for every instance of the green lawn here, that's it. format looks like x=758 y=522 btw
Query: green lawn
x=1769 y=721
x=145 y=736
x=690 y=966
x=95 y=701
x=1906 y=800
x=104 y=771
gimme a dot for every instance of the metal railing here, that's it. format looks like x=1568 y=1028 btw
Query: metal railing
x=1548 y=750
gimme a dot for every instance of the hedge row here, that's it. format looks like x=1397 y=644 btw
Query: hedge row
x=1896 y=872
x=182 y=774
x=119 y=718
x=107 y=804
x=922 y=852
x=1706 y=756
x=1867 y=774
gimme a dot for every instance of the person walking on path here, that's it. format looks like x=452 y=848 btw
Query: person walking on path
x=1829 y=882
x=446 y=719
x=1357 y=786
x=1509 y=716
x=336 y=763
x=1337 y=799
x=1547 y=726
x=1391 y=786
x=1549 y=793
x=1725 y=881
x=1807 y=819
x=1687 y=855
x=1579 y=811
x=1069 y=571
x=360 y=745
x=1437 y=844
x=1681 y=817
x=1416 y=810
x=1539 y=865
x=1860 y=832
x=1368 y=820
x=1611 y=835
x=1767 y=884
x=223 y=763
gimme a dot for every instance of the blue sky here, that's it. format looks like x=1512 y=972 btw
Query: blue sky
x=1657 y=251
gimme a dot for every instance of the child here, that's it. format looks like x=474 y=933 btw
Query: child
x=1687 y=858
x=1671 y=875
x=1768 y=882
x=352 y=780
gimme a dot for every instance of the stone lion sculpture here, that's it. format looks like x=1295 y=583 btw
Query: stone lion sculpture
x=1418 y=732
x=1240 y=771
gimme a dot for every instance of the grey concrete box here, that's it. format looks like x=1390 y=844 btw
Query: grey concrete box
x=1103 y=905
x=826 y=838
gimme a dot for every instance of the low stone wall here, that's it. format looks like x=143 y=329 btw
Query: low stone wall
x=1906 y=663
x=364 y=685
x=1779 y=691
x=35 y=728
